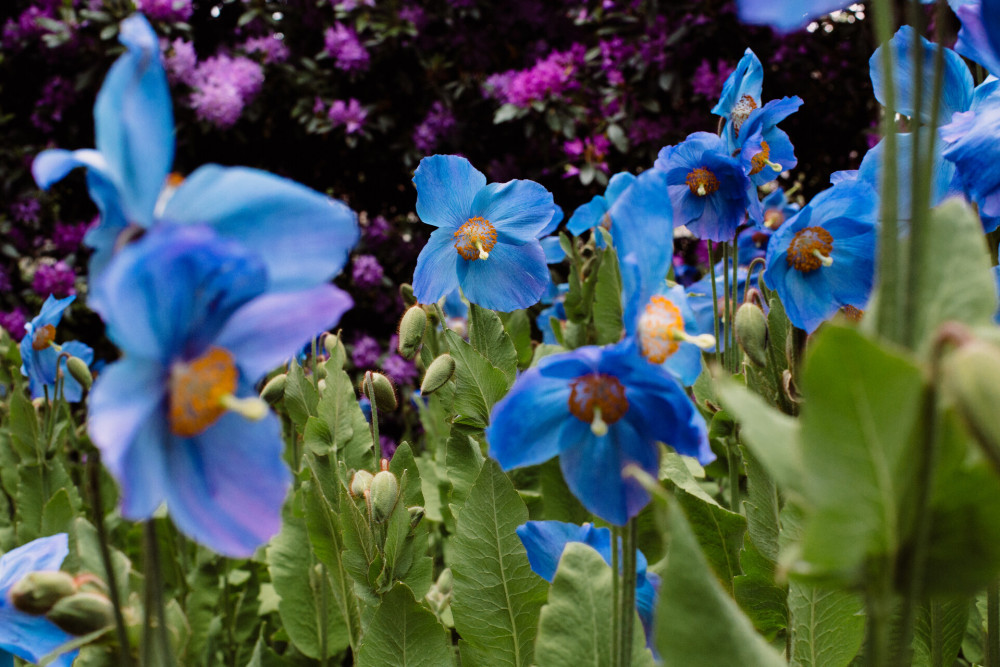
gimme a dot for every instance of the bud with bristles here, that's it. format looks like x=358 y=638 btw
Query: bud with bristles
x=78 y=370
x=438 y=373
x=274 y=390
x=411 y=331
x=82 y=613
x=36 y=592
x=385 y=393
x=752 y=333
x=384 y=495
x=361 y=482
x=406 y=292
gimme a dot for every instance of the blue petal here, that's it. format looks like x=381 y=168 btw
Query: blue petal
x=973 y=41
x=140 y=466
x=546 y=540
x=587 y=216
x=32 y=637
x=557 y=217
x=786 y=15
x=134 y=124
x=43 y=554
x=515 y=276
x=446 y=187
x=517 y=209
x=991 y=23
x=642 y=226
x=436 y=274
x=746 y=79
x=229 y=484
x=515 y=440
x=302 y=236
x=553 y=250
x=618 y=184
x=72 y=390
x=269 y=330
x=52 y=310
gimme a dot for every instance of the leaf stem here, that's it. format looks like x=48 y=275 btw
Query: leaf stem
x=616 y=618
x=156 y=649
x=715 y=306
x=370 y=392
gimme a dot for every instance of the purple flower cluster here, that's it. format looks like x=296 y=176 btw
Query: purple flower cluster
x=377 y=230
x=350 y=114
x=399 y=369
x=708 y=81
x=180 y=60
x=343 y=45
x=270 y=47
x=548 y=78
x=366 y=352
x=56 y=279
x=223 y=85
x=351 y=5
x=57 y=95
x=366 y=272
x=165 y=10
x=25 y=210
x=589 y=150
x=13 y=322
x=436 y=126
x=68 y=237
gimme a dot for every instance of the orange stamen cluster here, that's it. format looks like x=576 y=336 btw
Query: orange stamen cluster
x=702 y=182
x=43 y=337
x=741 y=111
x=658 y=327
x=597 y=390
x=475 y=237
x=852 y=313
x=802 y=249
x=197 y=389
x=760 y=160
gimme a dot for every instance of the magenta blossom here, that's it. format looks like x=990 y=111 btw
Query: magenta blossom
x=350 y=114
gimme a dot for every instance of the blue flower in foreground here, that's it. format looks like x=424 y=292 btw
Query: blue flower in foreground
x=31 y=637
x=824 y=257
x=40 y=353
x=598 y=410
x=486 y=241
x=302 y=237
x=710 y=191
x=545 y=541
x=177 y=418
x=765 y=150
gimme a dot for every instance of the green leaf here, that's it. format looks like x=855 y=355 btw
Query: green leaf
x=559 y=502
x=316 y=437
x=463 y=461
x=575 y=625
x=58 y=513
x=858 y=422
x=505 y=113
x=478 y=383
x=264 y=656
x=338 y=407
x=497 y=598
x=761 y=506
x=616 y=135
x=608 y=300
x=718 y=531
x=828 y=625
x=674 y=469
x=697 y=623
x=403 y=461
x=24 y=426
x=518 y=327
x=300 y=396
x=37 y=484
x=939 y=631
x=404 y=634
x=488 y=338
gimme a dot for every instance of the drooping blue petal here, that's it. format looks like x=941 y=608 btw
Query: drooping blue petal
x=553 y=250
x=974 y=153
x=515 y=276
x=454 y=306
x=546 y=540
x=134 y=125
x=746 y=80
x=436 y=274
x=517 y=209
x=302 y=236
x=516 y=440
x=43 y=554
x=269 y=330
x=958 y=86
x=786 y=15
x=642 y=226
x=587 y=216
x=51 y=312
x=557 y=217
x=446 y=187
x=973 y=41
x=140 y=466
x=229 y=484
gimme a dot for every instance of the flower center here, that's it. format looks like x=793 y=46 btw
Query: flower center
x=852 y=313
x=774 y=218
x=598 y=399
x=761 y=159
x=658 y=328
x=198 y=390
x=809 y=249
x=475 y=239
x=702 y=182
x=741 y=111
x=43 y=337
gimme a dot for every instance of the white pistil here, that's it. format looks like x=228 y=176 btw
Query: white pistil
x=598 y=426
x=702 y=191
x=825 y=260
x=703 y=341
x=252 y=407
x=482 y=253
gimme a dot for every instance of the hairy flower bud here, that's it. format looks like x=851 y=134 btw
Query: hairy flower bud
x=274 y=390
x=438 y=373
x=411 y=331
x=361 y=482
x=384 y=494
x=78 y=370
x=82 y=613
x=385 y=392
x=751 y=332
x=36 y=592
x=445 y=581
x=406 y=292
x=970 y=379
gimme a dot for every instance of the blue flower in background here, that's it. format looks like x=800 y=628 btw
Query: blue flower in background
x=302 y=237
x=595 y=212
x=556 y=298
x=978 y=38
x=40 y=353
x=824 y=257
x=764 y=149
x=741 y=94
x=598 y=410
x=31 y=637
x=546 y=540
x=786 y=15
x=710 y=191
x=486 y=241
x=699 y=296
x=177 y=418
x=972 y=147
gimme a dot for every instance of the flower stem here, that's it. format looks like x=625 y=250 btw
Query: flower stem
x=156 y=649
x=715 y=306
x=733 y=304
x=727 y=316
x=376 y=443
x=733 y=462
x=616 y=617
x=628 y=592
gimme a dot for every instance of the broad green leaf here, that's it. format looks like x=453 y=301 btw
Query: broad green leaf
x=403 y=461
x=497 y=598
x=488 y=338
x=518 y=327
x=674 y=469
x=58 y=513
x=858 y=423
x=761 y=507
x=939 y=631
x=719 y=533
x=300 y=396
x=463 y=461
x=559 y=502
x=478 y=383
x=316 y=436
x=697 y=623
x=338 y=407
x=404 y=634
x=828 y=625
x=24 y=431
x=575 y=626
x=37 y=484
x=264 y=656
x=608 y=300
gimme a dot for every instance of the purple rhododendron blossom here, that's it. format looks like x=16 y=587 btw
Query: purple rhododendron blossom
x=366 y=272
x=399 y=369
x=165 y=10
x=271 y=48
x=343 y=45
x=180 y=60
x=13 y=322
x=350 y=114
x=366 y=352
x=57 y=279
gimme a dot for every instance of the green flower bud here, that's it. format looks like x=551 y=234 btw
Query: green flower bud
x=78 y=370
x=82 y=613
x=384 y=495
x=970 y=380
x=411 y=331
x=385 y=392
x=361 y=482
x=406 y=292
x=751 y=332
x=274 y=390
x=438 y=373
x=333 y=344
x=445 y=581
x=36 y=592
x=416 y=514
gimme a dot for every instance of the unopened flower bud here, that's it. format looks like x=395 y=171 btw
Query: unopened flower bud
x=78 y=370
x=416 y=514
x=36 y=592
x=384 y=494
x=385 y=393
x=406 y=292
x=970 y=379
x=333 y=344
x=445 y=581
x=82 y=613
x=438 y=373
x=274 y=390
x=751 y=332
x=361 y=482
x=411 y=331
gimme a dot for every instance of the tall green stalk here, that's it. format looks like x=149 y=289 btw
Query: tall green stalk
x=156 y=650
x=628 y=592
x=616 y=590
x=715 y=306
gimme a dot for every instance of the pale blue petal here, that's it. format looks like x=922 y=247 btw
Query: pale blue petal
x=786 y=15
x=517 y=209
x=436 y=274
x=515 y=276
x=525 y=424
x=446 y=187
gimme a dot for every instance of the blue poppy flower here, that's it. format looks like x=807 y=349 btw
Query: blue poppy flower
x=486 y=241
x=972 y=149
x=177 y=418
x=764 y=149
x=302 y=236
x=741 y=94
x=31 y=637
x=40 y=353
x=595 y=212
x=824 y=257
x=751 y=244
x=786 y=15
x=710 y=191
x=545 y=542
x=974 y=37
x=666 y=332
x=555 y=298
x=550 y=241
x=598 y=410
